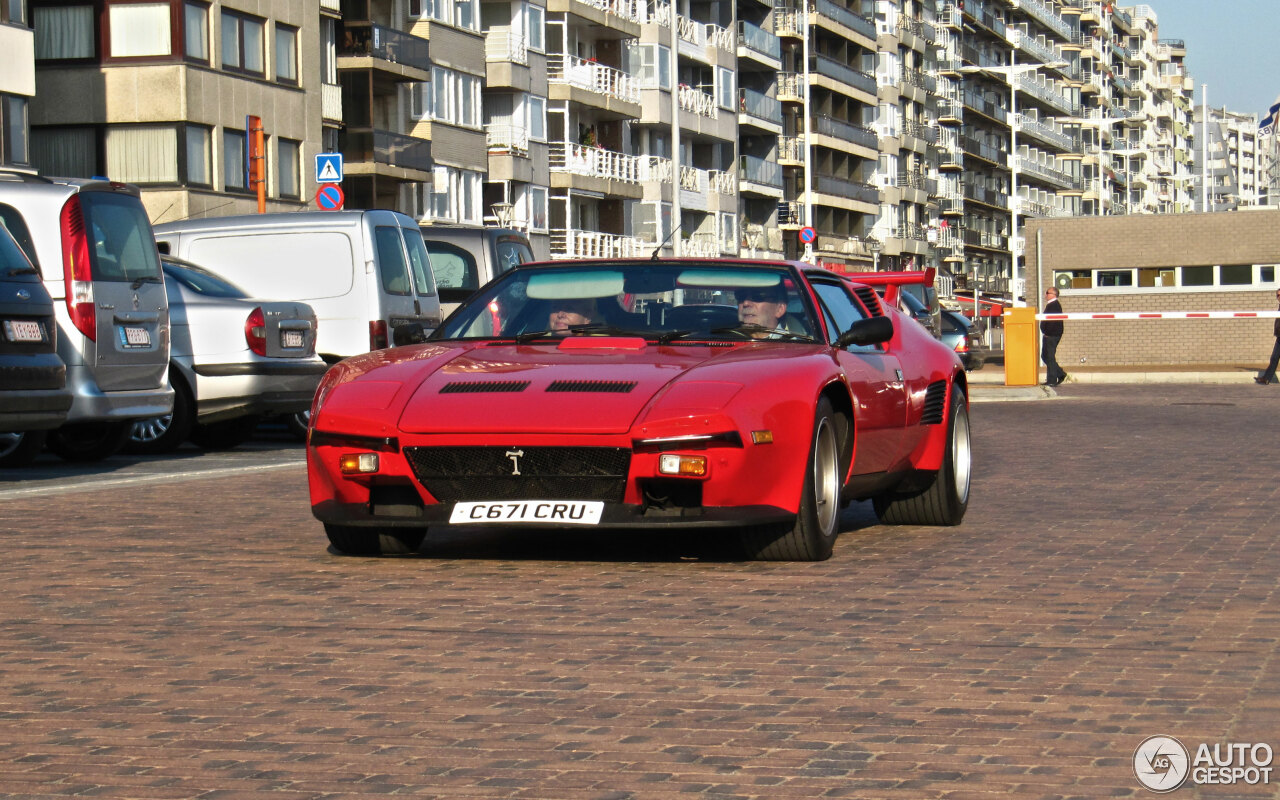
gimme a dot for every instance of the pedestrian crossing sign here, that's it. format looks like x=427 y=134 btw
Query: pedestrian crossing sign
x=329 y=168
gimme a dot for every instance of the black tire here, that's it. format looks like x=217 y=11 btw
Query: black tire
x=89 y=441
x=946 y=498
x=20 y=448
x=297 y=424
x=371 y=541
x=818 y=523
x=226 y=434
x=165 y=434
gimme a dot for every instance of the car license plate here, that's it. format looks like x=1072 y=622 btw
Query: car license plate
x=560 y=512
x=19 y=330
x=135 y=337
x=291 y=338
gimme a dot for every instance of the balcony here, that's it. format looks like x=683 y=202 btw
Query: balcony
x=507 y=139
x=843 y=73
x=920 y=131
x=791 y=150
x=596 y=244
x=1049 y=95
x=655 y=169
x=759 y=44
x=760 y=172
x=387 y=46
x=696 y=101
x=852 y=190
x=847 y=18
x=594 y=162
x=847 y=131
x=701 y=35
x=1048 y=18
x=502 y=44
x=789 y=23
x=918 y=79
x=370 y=145
x=985 y=107
x=1046 y=173
x=1035 y=48
x=331 y=101
x=791 y=87
x=629 y=10
x=1046 y=133
x=760 y=106
x=592 y=76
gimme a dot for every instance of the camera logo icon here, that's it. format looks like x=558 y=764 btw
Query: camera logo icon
x=1161 y=763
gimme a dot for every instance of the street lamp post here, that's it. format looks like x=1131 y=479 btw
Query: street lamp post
x=1008 y=72
x=874 y=245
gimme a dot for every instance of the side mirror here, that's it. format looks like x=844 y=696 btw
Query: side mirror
x=867 y=331
x=410 y=333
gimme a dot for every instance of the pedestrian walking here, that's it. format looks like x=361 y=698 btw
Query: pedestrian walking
x=1270 y=375
x=1050 y=335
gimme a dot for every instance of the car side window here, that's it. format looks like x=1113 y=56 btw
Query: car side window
x=454 y=267
x=841 y=311
x=391 y=267
x=17 y=226
x=511 y=252
x=423 y=277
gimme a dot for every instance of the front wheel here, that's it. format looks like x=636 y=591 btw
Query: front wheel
x=89 y=441
x=20 y=448
x=371 y=541
x=814 y=534
x=946 y=498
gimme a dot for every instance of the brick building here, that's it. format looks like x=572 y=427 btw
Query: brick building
x=1186 y=262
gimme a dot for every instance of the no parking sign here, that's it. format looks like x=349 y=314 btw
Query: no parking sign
x=329 y=197
x=808 y=235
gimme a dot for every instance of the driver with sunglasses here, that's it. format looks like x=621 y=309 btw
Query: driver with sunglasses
x=763 y=306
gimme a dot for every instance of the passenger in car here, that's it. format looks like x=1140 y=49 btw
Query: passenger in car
x=565 y=313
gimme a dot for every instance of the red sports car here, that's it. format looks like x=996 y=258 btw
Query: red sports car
x=757 y=396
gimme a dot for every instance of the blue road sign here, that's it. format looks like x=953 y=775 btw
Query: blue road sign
x=329 y=168
x=808 y=235
x=330 y=197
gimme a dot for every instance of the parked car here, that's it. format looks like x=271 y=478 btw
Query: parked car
x=92 y=242
x=235 y=359
x=464 y=259
x=33 y=380
x=366 y=274
x=965 y=338
x=645 y=417
x=929 y=311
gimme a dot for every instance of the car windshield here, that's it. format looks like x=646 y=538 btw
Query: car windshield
x=201 y=280
x=664 y=301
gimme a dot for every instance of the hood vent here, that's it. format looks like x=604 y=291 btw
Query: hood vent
x=478 y=387
x=869 y=299
x=935 y=403
x=611 y=387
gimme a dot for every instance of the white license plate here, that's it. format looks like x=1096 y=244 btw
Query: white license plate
x=291 y=338
x=19 y=330
x=559 y=512
x=136 y=337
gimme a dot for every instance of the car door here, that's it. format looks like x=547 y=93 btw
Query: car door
x=425 y=292
x=875 y=377
x=400 y=306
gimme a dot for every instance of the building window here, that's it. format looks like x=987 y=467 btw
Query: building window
x=195 y=32
x=537 y=118
x=728 y=233
x=1235 y=274
x=13 y=12
x=242 y=43
x=286 y=54
x=725 y=91
x=419 y=100
x=139 y=30
x=650 y=63
x=233 y=154
x=63 y=32
x=537 y=33
x=538 y=208
x=456 y=195
x=142 y=155
x=288 y=154
x=13 y=130
x=199 y=155
x=455 y=98
x=72 y=152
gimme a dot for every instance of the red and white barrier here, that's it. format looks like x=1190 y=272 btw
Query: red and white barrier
x=1162 y=315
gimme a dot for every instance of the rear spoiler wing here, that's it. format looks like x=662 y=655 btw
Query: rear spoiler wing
x=889 y=283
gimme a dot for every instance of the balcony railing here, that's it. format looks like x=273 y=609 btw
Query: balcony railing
x=791 y=85
x=592 y=76
x=1036 y=48
x=501 y=43
x=1051 y=20
x=1048 y=94
x=790 y=148
x=918 y=79
x=722 y=182
x=843 y=73
x=389 y=44
x=626 y=9
x=699 y=245
x=759 y=171
x=596 y=162
x=988 y=108
x=656 y=169
x=788 y=22
x=840 y=129
x=863 y=192
x=1056 y=176
x=759 y=40
x=844 y=16
x=595 y=244
x=1046 y=132
x=506 y=138
x=696 y=101
x=759 y=105
x=385 y=147
x=920 y=131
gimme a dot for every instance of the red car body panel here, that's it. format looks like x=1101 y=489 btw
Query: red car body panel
x=466 y=393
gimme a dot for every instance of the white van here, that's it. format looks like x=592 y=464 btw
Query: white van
x=366 y=273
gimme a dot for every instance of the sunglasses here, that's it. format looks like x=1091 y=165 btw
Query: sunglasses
x=757 y=297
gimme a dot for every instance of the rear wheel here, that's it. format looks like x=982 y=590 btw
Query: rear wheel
x=814 y=534
x=946 y=498
x=297 y=424
x=164 y=434
x=89 y=441
x=226 y=434
x=371 y=541
x=20 y=448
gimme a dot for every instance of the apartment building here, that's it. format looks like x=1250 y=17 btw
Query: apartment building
x=17 y=83
x=168 y=96
x=1227 y=160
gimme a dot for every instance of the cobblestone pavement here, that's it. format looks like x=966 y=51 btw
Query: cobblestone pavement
x=1116 y=578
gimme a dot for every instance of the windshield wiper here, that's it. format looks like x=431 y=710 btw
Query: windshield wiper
x=606 y=330
x=751 y=328
x=22 y=271
x=146 y=279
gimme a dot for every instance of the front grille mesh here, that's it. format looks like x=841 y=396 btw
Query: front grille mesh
x=454 y=474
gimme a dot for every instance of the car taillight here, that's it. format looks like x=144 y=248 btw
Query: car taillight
x=962 y=346
x=377 y=334
x=77 y=271
x=255 y=332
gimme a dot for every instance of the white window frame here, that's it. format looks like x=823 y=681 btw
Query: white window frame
x=726 y=93
x=537 y=117
x=536 y=27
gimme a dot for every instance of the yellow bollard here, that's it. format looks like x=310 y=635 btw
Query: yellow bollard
x=1021 y=347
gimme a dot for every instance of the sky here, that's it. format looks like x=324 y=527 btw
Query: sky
x=1233 y=46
